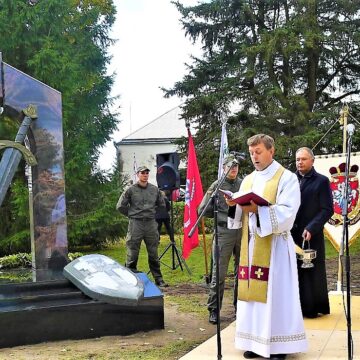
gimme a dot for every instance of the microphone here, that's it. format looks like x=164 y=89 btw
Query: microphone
x=350 y=129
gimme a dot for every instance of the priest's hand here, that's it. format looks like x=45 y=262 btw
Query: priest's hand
x=229 y=202
x=252 y=208
x=306 y=235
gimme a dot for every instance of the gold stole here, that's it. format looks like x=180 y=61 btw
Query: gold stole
x=253 y=286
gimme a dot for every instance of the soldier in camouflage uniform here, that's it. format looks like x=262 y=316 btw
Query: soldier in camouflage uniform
x=138 y=202
x=229 y=240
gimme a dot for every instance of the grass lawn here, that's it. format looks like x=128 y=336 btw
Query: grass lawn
x=195 y=263
x=331 y=252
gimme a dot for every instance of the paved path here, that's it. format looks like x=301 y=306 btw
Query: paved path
x=327 y=337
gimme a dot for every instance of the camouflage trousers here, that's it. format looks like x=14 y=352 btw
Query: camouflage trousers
x=146 y=230
x=229 y=244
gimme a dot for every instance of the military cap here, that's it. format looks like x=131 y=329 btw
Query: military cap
x=230 y=160
x=142 y=168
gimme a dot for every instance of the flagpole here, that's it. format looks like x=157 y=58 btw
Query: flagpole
x=205 y=251
x=343 y=119
x=134 y=169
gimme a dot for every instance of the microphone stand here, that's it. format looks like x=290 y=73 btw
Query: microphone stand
x=345 y=240
x=215 y=197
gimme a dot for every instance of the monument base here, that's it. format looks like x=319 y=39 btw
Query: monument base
x=56 y=310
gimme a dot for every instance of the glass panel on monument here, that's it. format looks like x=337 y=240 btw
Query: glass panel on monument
x=46 y=182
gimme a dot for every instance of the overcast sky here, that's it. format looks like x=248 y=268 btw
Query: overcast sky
x=150 y=52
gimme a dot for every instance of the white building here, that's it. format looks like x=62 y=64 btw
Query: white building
x=142 y=145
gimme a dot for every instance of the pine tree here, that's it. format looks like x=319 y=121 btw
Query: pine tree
x=284 y=68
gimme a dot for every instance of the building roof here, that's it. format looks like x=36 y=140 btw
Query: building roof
x=165 y=128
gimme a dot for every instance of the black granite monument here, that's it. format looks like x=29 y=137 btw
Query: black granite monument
x=51 y=307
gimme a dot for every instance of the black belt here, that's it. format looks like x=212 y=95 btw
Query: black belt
x=142 y=219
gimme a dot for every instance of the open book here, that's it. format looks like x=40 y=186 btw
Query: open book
x=245 y=197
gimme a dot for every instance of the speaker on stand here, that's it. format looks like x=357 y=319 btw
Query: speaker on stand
x=168 y=179
x=167 y=174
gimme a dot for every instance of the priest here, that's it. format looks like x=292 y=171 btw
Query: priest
x=269 y=322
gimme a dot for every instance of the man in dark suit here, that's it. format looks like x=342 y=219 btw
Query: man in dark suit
x=315 y=210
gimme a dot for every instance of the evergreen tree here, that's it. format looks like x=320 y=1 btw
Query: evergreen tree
x=284 y=68
x=64 y=44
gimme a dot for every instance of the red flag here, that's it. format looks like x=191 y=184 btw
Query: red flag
x=193 y=197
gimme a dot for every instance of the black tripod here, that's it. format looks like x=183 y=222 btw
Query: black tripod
x=345 y=241
x=175 y=252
